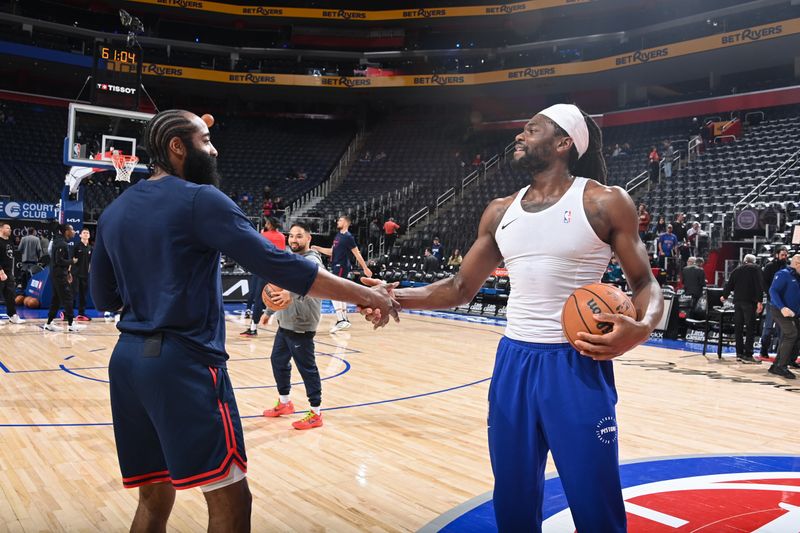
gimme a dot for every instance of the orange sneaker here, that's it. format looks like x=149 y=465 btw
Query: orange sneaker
x=311 y=420
x=280 y=409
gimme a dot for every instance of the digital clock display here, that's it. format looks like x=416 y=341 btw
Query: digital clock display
x=120 y=56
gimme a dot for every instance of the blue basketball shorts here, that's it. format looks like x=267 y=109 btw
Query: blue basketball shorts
x=548 y=397
x=175 y=419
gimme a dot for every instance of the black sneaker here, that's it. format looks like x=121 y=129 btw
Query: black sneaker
x=782 y=372
x=249 y=333
x=793 y=364
x=748 y=360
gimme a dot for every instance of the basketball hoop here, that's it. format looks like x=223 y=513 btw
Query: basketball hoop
x=124 y=165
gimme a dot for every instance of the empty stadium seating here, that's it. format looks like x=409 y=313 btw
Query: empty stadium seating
x=254 y=153
x=708 y=188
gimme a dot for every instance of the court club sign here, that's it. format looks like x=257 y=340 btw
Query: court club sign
x=10 y=209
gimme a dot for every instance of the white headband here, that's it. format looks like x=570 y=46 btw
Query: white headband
x=571 y=120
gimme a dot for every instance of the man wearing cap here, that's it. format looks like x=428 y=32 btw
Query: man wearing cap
x=555 y=235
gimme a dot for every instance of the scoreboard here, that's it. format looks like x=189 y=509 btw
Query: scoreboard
x=116 y=76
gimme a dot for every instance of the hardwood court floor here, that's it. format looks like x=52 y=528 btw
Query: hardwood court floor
x=404 y=437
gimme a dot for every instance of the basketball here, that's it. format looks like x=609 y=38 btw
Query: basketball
x=208 y=119
x=590 y=300
x=31 y=303
x=266 y=296
x=20 y=299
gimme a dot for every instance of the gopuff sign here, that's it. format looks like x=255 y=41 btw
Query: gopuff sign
x=26 y=210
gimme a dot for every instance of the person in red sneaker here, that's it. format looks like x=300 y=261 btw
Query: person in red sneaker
x=297 y=325
x=311 y=420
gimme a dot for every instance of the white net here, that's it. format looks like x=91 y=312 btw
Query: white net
x=124 y=164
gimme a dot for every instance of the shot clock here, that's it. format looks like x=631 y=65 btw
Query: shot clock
x=116 y=76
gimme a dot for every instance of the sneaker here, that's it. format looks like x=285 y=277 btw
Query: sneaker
x=793 y=364
x=280 y=409
x=340 y=325
x=83 y=318
x=53 y=327
x=249 y=333
x=311 y=420
x=74 y=328
x=782 y=372
x=15 y=319
x=748 y=360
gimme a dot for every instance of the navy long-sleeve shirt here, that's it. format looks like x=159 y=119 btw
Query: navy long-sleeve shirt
x=156 y=257
x=785 y=290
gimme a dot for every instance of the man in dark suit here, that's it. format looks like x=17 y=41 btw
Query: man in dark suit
x=694 y=278
x=748 y=287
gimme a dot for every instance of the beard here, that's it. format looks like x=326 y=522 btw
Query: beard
x=532 y=161
x=200 y=167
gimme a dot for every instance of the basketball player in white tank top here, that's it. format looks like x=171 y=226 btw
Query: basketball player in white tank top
x=555 y=235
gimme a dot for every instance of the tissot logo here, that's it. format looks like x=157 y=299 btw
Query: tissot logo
x=158 y=70
x=752 y=35
x=642 y=56
x=116 y=88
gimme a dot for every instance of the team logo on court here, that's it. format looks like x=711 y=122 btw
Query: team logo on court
x=744 y=501
x=606 y=430
x=702 y=494
x=567 y=216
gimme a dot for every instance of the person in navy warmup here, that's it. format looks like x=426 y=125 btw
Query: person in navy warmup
x=344 y=245
x=555 y=235
x=156 y=262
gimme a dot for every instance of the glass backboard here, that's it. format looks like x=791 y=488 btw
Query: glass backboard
x=94 y=133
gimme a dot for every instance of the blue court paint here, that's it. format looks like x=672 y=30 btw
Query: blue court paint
x=392 y=400
x=402 y=398
x=73 y=372
x=231 y=308
x=480 y=518
x=68 y=371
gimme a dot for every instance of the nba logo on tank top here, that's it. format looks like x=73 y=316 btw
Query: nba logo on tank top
x=548 y=255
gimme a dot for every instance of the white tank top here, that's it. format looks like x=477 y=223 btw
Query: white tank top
x=548 y=255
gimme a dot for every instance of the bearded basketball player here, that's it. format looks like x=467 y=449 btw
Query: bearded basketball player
x=176 y=423
x=555 y=235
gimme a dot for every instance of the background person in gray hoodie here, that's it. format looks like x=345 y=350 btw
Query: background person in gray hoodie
x=297 y=325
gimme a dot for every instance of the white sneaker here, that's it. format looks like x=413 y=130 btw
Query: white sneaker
x=340 y=325
x=74 y=328
x=53 y=327
x=15 y=319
